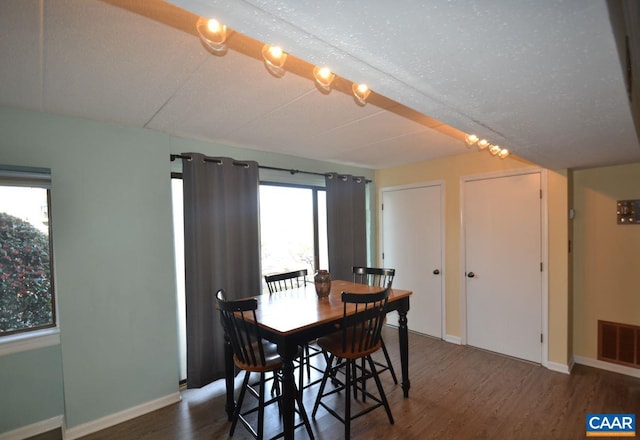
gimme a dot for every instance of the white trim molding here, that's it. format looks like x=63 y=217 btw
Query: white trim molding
x=608 y=366
x=560 y=368
x=453 y=339
x=34 y=429
x=29 y=341
x=119 y=417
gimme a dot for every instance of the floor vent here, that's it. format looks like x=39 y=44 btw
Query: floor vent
x=619 y=343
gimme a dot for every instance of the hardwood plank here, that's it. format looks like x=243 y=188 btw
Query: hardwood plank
x=55 y=434
x=457 y=392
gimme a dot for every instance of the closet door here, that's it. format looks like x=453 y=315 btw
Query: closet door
x=503 y=270
x=412 y=238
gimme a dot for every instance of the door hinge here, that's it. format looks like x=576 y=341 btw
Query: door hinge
x=383 y=255
x=382 y=207
x=541 y=267
x=540 y=193
x=541 y=338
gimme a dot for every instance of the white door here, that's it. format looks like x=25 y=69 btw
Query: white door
x=412 y=244
x=503 y=269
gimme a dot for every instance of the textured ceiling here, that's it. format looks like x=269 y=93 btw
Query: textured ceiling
x=540 y=78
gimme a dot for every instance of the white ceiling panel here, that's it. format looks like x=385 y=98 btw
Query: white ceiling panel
x=108 y=63
x=414 y=146
x=21 y=54
x=217 y=100
x=382 y=125
x=316 y=117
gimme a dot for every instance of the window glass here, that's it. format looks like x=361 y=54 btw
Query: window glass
x=323 y=247
x=26 y=288
x=286 y=229
x=178 y=237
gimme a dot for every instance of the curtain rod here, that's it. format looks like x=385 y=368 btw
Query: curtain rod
x=264 y=167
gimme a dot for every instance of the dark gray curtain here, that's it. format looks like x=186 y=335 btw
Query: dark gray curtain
x=222 y=251
x=346 y=224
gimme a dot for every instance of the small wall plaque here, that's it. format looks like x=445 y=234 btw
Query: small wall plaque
x=628 y=212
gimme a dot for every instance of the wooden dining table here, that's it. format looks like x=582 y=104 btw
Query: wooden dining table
x=293 y=317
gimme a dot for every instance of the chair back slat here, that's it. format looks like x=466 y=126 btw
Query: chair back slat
x=286 y=280
x=241 y=325
x=373 y=276
x=361 y=330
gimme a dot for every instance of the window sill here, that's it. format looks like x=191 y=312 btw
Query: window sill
x=29 y=341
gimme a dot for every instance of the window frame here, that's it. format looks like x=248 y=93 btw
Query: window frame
x=316 y=231
x=43 y=335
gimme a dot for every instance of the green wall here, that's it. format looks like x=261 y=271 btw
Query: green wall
x=113 y=260
x=114 y=268
x=40 y=372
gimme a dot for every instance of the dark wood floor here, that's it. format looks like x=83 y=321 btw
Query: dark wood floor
x=457 y=392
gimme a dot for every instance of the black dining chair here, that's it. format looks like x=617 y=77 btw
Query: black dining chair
x=358 y=337
x=253 y=354
x=290 y=280
x=286 y=280
x=380 y=277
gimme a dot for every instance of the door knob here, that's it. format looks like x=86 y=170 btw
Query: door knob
x=436 y=272
x=471 y=274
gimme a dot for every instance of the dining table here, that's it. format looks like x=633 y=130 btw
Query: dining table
x=293 y=317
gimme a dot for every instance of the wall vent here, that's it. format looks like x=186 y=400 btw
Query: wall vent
x=619 y=343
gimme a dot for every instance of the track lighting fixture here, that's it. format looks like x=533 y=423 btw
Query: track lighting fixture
x=495 y=150
x=483 y=143
x=471 y=139
x=324 y=77
x=274 y=58
x=360 y=92
x=212 y=33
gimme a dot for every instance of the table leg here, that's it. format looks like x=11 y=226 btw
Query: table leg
x=288 y=390
x=229 y=374
x=403 y=335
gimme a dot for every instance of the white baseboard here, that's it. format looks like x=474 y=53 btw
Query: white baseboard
x=453 y=339
x=34 y=429
x=589 y=362
x=119 y=417
x=560 y=368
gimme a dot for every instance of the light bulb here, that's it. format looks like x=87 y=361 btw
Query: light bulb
x=214 y=26
x=360 y=92
x=274 y=58
x=494 y=149
x=276 y=53
x=503 y=153
x=471 y=139
x=483 y=143
x=324 y=77
x=212 y=33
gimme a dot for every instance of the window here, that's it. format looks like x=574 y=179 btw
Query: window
x=293 y=228
x=178 y=237
x=27 y=300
